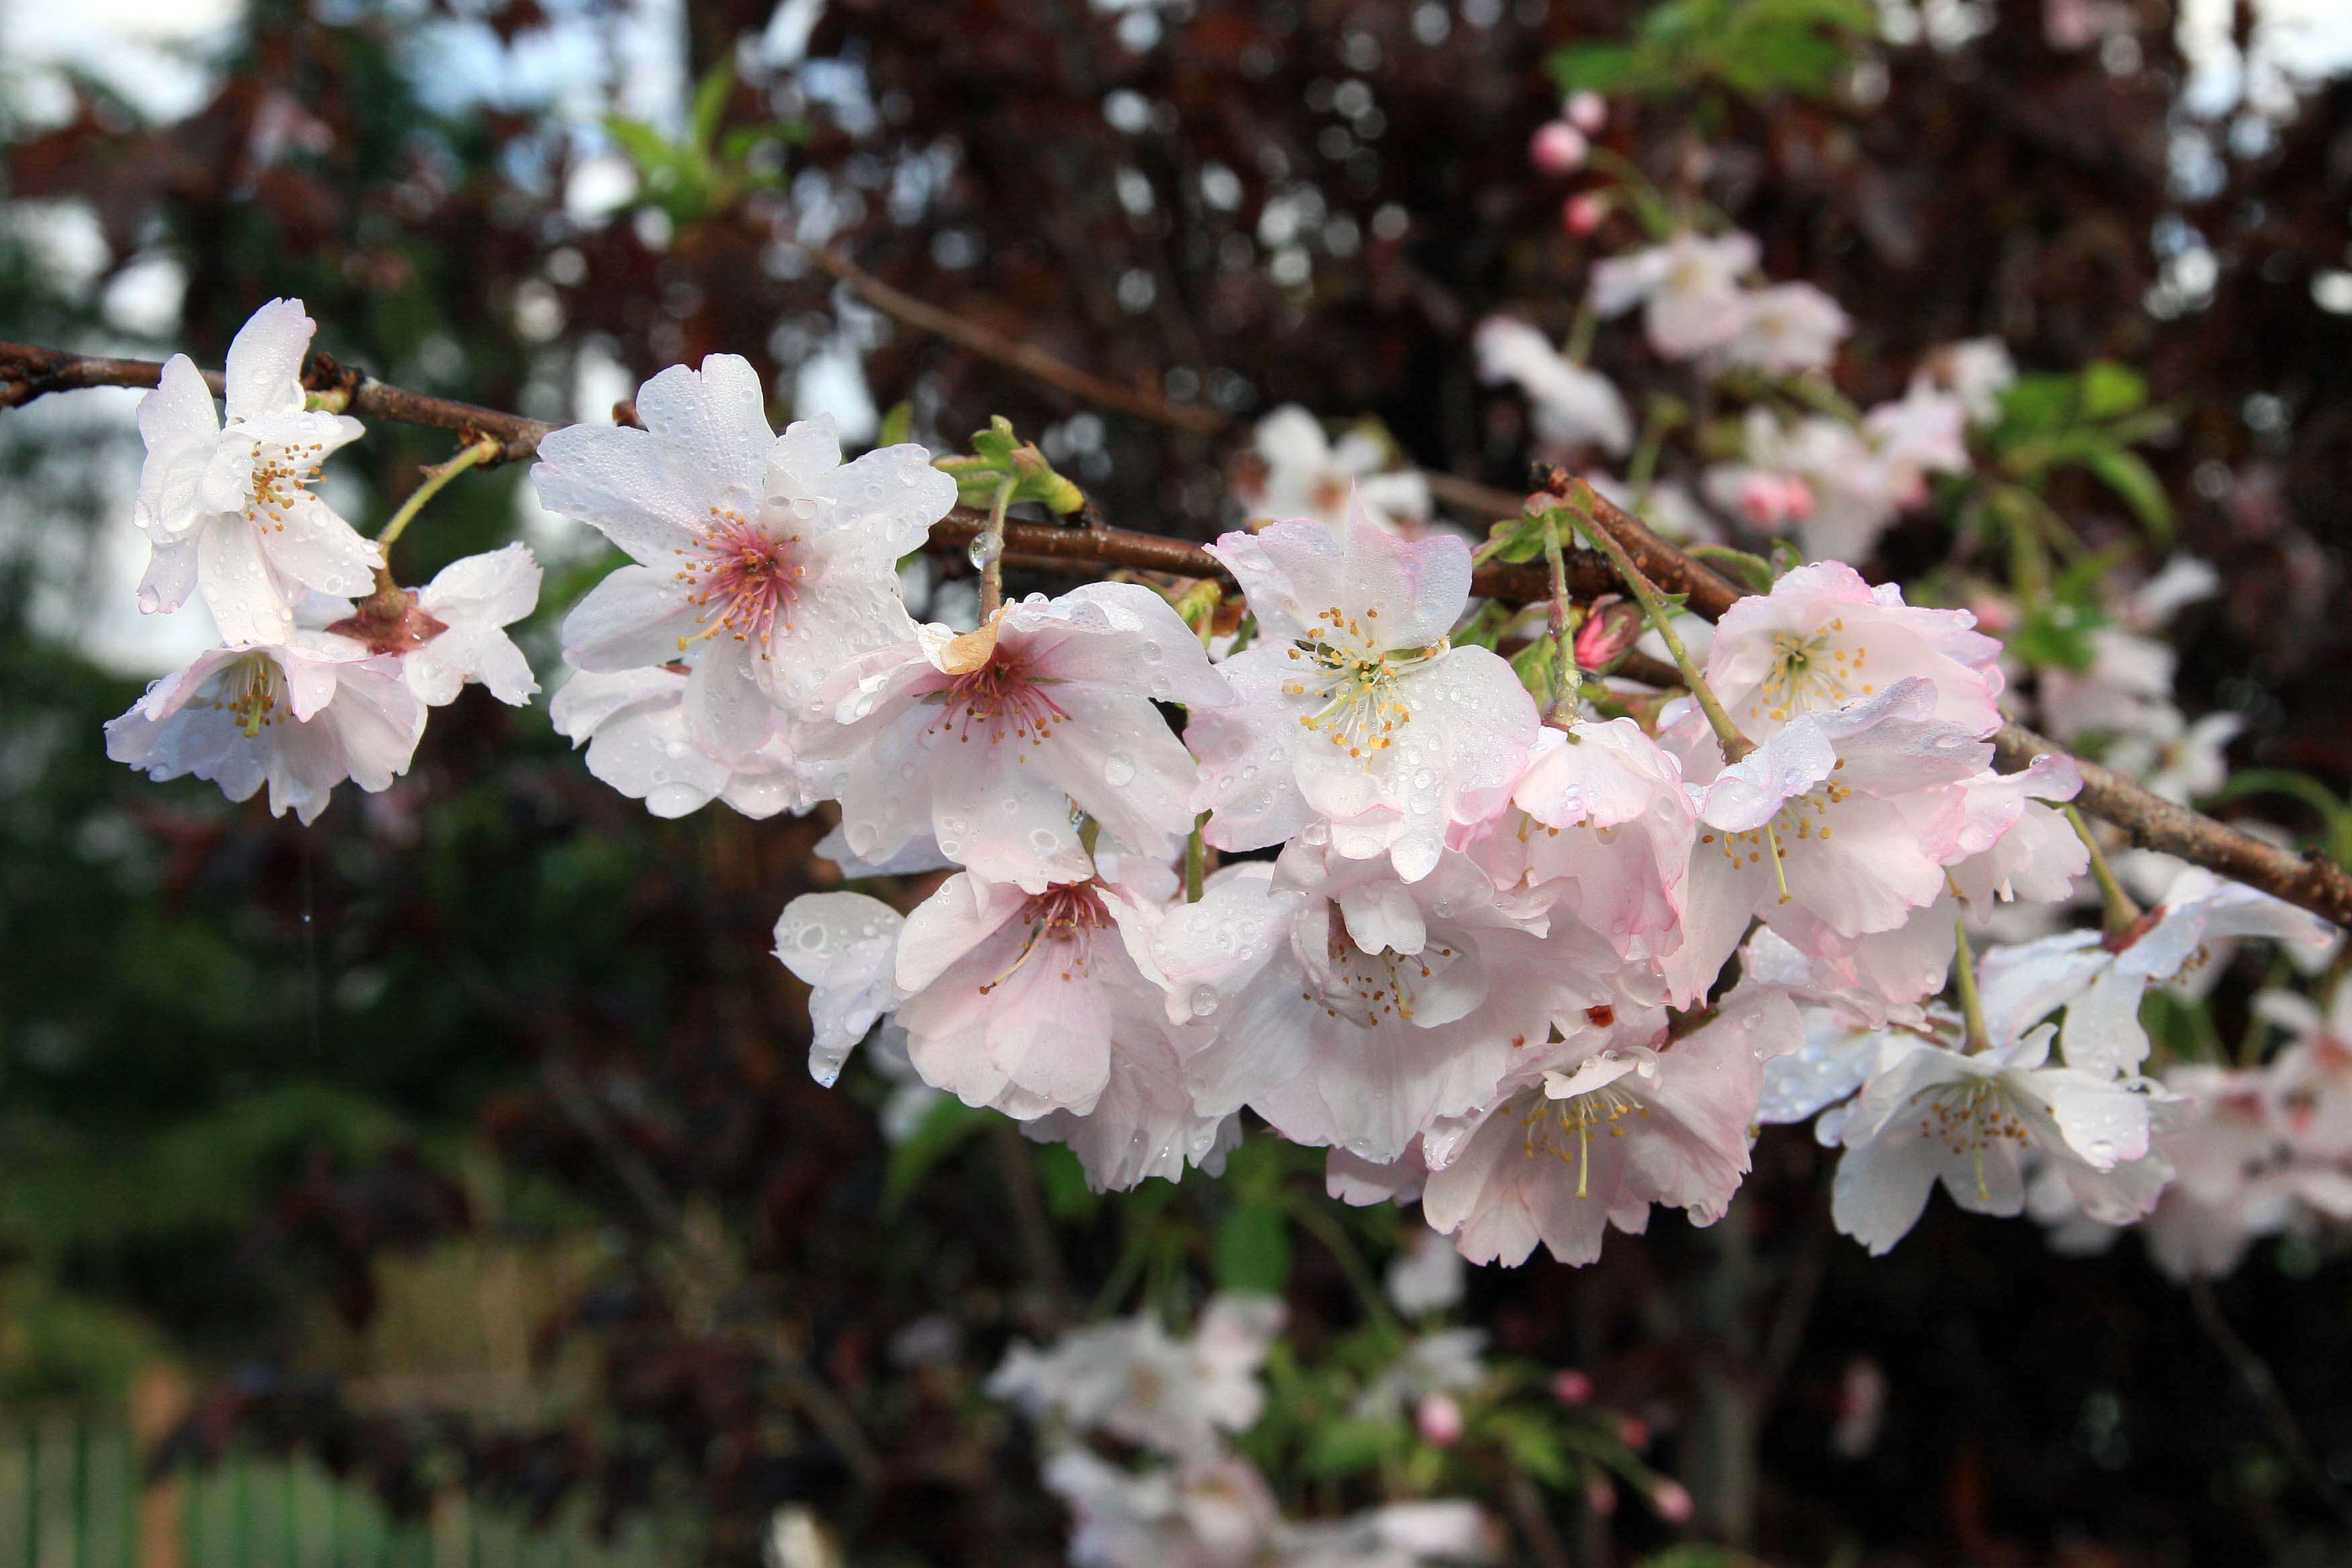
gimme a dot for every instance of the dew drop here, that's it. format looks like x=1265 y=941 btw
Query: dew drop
x=1119 y=772
x=1203 y=1001
x=984 y=549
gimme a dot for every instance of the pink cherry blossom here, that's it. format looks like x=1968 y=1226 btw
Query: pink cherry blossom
x=1303 y=472
x=845 y=947
x=1787 y=328
x=1575 y=407
x=1353 y=705
x=299 y=717
x=1213 y=1513
x=1601 y=826
x=228 y=507
x=1036 y=1002
x=1562 y=1154
x=641 y=742
x=992 y=741
x=1689 y=287
x=1351 y=1008
x=762 y=560
x=1132 y=1380
x=1824 y=637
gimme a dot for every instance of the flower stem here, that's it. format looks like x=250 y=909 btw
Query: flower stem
x=1963 y=978
x=2121 y=912
x=1566 y=680
x=1735 y=744
x=1196 y=860
x=992 y=548
x=437 y=475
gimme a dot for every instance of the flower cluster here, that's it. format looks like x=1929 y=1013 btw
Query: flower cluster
x=308 y=689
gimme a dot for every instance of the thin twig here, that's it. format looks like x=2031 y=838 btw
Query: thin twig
x=2307 y=880
x=2264 y=1384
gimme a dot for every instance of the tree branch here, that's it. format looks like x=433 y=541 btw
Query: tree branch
x=2306 y=880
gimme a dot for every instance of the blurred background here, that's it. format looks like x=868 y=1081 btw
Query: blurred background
x=443 y=1183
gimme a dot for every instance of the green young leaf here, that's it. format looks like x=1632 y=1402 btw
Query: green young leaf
x=1350 y=1445
x=1517 y=539
x=710 y=95
x=897 y=425
x=1753 y=571
x=2135 y=485
x=2109 y=390
x=1532 y=1443
x=1536 y=666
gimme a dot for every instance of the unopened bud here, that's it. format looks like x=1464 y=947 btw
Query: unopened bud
x=1633 y=1432
x=1673 y=1502
x=1771 y=500
x=1569 y=1385
x=1601 y=1494
x=1584 y=212
x=1559 y=148
x=1587 y=111
x=1439 y=1419
x=1611 y=626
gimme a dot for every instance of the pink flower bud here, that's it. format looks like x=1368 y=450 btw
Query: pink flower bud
x=1601 y=1494
x=1559 y=148
x=1995 y=615
x=1673 y=1504
x=1439 y=1419
x=1610 y=629
x=1587 y=111
x=1570 y=1386
x=1584 y=212
x=1633 y=1432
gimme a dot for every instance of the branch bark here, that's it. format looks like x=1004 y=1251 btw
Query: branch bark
x=2307 y=880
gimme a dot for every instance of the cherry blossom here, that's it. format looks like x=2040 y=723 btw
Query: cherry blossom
x=226 y=505
x=1575 y=407
x=2101 y=981
x=1688 y=287
x=992 y=741
x=299 y=717
x=641 y=742
x=1976 y=372
x=1788 y=327
x=1353 y=1008
x=1426 y=1277
x=762 y=560
x=1567 y=1151
x=1131 y=1379
x=462 y=616
x=1824 y=637
x=1601 y=826
x=1211 y=1513
x=1444 y=1361
x=1353 y=705
x=1035 y=1002
x=845 y=947
x=1930 y=1113
x=1837 y=826
x=1305 y=473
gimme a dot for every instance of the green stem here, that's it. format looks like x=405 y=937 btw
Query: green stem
x=1661 y=416
x=992 y=571
x=1582 y=331
x=1196 y=860
x=1964 y=977
x=1566 y=680
x=2121 y=912
x=1653 y=604
x=1313 y=1219
x=436 y=476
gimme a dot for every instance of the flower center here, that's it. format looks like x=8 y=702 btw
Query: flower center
x=1359 y=684
x=1564 y=1128
x=1811 y=673
x=281 y=476
x=1000 y=699
x=252 y=693
x=743 y=577
x=1366 y=988
x=1062 y=922
x=1969 y=1116
x=1803 y=816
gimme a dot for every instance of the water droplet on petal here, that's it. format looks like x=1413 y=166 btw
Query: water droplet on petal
x=1203 y=1001
x=1119 y=772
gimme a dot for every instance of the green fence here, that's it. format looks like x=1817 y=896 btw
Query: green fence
x=73 y=1495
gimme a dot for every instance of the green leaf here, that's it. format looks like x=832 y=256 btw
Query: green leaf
x=2136 y=484
x=1252 y=1250
x=710 y=97
x=1521 y=538
x=1069 y=1197
x=645 y=146
x=1606 y=69
x=2109 y=390
x=943 y=1129
x=1536 y=666
x=1532 y=1442
x=897 y=425
x=1349 y=1445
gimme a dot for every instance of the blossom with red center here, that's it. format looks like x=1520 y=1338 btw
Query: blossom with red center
x=763 y=562
x=995 y=741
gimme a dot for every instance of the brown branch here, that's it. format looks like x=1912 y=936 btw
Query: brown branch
x=1027 y=358
x=2306 y=880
